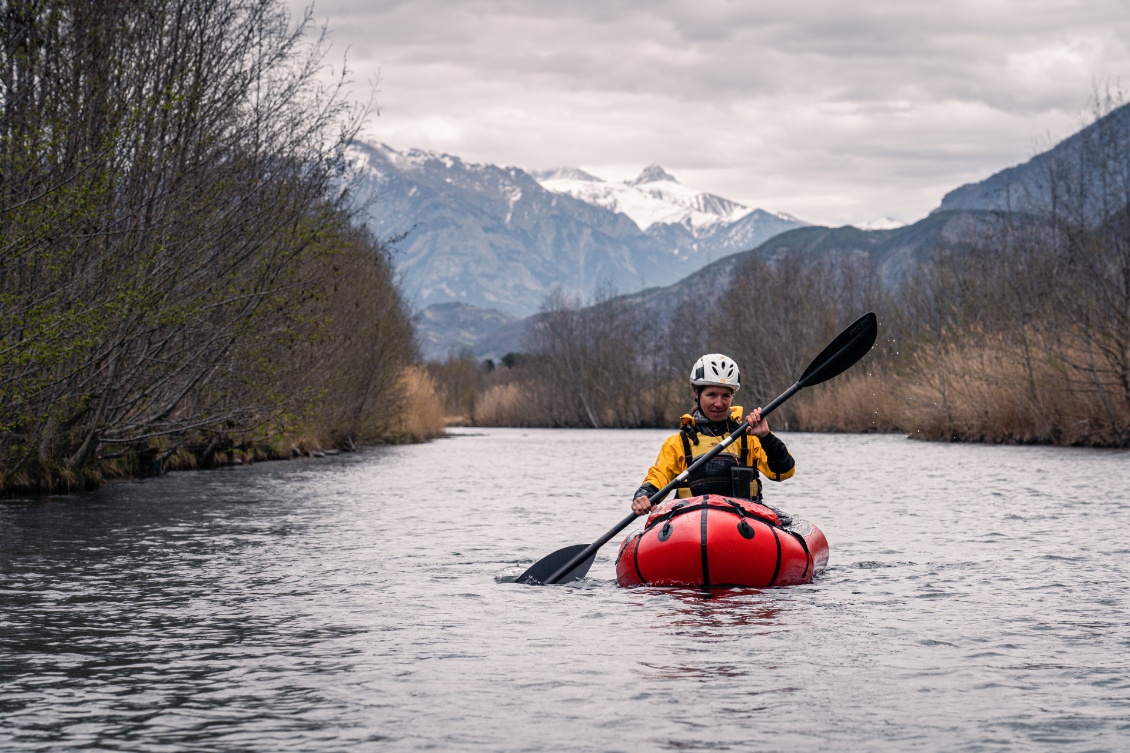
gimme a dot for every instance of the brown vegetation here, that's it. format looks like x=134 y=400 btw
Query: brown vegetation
x=982 y=392
x=1025 y=337
x=859 y=401
x=420 y=412
x=597 y=366
x=508 y=405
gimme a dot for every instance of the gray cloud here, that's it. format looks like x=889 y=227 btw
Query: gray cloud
x=836 y=112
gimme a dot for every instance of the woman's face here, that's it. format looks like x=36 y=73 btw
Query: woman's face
x=714 y=402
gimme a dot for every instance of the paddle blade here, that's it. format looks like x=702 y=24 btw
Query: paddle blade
x=548 y=565
x=842 y=353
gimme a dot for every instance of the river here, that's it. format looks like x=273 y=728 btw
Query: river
x=975 y=600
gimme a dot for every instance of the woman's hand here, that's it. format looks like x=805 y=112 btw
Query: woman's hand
x=758 y=426
x=641 y=505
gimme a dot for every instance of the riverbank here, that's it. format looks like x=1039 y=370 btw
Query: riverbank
x=185 y=280
x=415 y=416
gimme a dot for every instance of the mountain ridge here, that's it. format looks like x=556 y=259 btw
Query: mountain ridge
x=894 y=252
x=1026 y=186
x=495 y=238
x=963 y=215
x=653 y=197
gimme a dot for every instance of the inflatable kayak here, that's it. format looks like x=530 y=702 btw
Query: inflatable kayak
x=715 y=542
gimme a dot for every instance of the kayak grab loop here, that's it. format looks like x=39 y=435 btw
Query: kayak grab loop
x=744 y=528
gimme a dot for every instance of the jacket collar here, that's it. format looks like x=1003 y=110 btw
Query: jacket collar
x=711 y=428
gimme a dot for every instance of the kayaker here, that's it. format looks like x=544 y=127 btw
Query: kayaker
x=714 y=380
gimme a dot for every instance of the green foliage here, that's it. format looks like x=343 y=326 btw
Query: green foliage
x=176 y=260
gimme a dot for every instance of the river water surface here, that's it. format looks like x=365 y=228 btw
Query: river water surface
x=976 y=600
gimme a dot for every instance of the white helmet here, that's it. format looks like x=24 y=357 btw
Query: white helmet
x=715 y=369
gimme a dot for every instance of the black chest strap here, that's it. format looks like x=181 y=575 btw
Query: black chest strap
x=689 y=433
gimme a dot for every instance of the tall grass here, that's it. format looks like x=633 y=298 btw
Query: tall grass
x=974 y=389
x=992 y=392
x=421 y=407
x=860 y=401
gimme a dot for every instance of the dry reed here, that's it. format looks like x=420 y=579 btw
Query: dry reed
x=856 y=402
x=421 y=410
x=990 y=392
x=508 y=405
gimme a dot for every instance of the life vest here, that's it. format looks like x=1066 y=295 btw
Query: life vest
x=717 y=475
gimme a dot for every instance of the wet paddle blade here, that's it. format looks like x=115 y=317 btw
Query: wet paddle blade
x=842 y=353
x=548 y=565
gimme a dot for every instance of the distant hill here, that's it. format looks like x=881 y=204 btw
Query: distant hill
x=501 y=238
x=1026 y=187
x=964 y=214
x=894 y=252
x=496 y=238
x=447 y=329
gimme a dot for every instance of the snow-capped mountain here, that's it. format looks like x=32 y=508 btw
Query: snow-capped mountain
x=655 y=201
x=658 y=203
x=497 y=238
x=881 y=223
x=654 y=197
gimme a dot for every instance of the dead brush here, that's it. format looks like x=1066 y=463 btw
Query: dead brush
x=421 y=410
x=988 y=390
x=863 y=402
x=507 y=405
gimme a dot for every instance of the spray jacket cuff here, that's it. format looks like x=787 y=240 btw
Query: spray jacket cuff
x=645 y=491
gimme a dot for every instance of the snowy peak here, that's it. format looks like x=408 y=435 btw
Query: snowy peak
x=652 y=174
x=500 y=238
x=654 y=198
x=562 y=173
x=881 y=223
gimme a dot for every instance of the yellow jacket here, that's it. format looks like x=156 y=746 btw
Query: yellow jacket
x=672 y=459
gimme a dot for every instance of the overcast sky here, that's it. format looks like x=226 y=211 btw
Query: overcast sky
x=836 y=112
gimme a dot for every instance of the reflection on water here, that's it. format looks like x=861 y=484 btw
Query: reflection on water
x=969 y=604
x=705 y=614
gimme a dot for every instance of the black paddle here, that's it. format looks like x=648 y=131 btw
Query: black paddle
x=573 y=562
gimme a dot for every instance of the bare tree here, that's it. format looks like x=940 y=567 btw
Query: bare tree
x=778 y=313
x=1024 y=335
x=169 y=217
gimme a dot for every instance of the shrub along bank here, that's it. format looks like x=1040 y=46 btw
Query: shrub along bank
x=181 y=279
